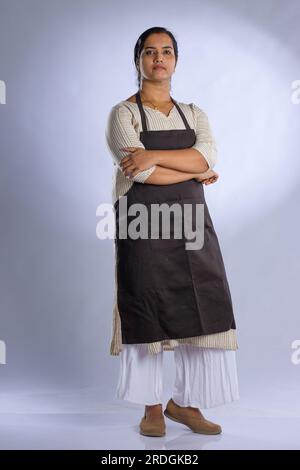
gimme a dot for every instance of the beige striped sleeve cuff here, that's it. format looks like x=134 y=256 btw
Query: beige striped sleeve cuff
x=143 y=175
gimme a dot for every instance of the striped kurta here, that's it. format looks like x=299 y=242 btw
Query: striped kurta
x=122 y=130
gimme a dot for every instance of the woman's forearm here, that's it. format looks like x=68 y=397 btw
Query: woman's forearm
x=163 y=175
x=187 y=160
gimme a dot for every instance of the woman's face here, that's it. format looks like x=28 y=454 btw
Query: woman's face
x=158 y=50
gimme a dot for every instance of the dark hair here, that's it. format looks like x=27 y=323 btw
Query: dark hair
x=140 y=44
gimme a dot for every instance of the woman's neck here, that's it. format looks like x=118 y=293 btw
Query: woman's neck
x=155 y=94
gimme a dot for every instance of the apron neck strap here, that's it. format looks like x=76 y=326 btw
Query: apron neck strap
x=143 y=116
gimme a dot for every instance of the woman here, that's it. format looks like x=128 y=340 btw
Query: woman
x=168 y=297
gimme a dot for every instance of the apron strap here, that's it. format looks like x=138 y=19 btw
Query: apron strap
x=143 y=116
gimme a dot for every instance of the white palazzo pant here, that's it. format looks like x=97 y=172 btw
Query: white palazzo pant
x=205 y=377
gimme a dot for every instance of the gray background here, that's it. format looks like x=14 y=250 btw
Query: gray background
x=65 y=64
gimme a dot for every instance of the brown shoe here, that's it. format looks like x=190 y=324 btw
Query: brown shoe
x=194 y=420
x=154 y=426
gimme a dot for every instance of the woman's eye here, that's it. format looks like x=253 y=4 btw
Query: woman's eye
x=152 y=52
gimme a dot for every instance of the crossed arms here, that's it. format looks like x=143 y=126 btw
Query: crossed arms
x=171 y=166
x=161 y=166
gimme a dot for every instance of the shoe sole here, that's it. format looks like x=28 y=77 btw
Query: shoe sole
x=152 y=434
x=198 y=432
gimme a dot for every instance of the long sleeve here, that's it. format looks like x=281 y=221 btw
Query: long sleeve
x=205 y=142
x=119 y=133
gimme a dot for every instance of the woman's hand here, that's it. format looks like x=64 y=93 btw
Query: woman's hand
x=139 y=159
x=207 y=177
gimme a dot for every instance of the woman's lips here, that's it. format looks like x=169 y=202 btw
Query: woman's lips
x=159 y=68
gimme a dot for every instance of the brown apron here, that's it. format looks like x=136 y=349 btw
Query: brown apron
x=165 y=291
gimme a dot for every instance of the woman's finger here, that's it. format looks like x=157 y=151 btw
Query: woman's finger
x=125 y=160
x=126 y=164
x=129 y=149
x=129 y=169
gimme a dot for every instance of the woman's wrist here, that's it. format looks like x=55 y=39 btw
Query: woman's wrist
x=153 y=157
